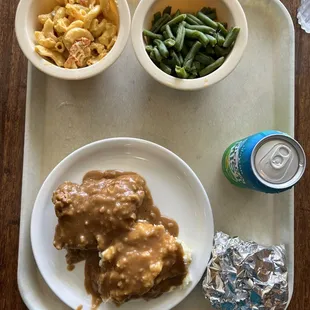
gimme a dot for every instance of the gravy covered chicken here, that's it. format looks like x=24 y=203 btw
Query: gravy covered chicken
x=146 y=261
x=131 y=250
x=90 y=214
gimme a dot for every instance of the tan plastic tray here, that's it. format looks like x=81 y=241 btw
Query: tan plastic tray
x=62 y=116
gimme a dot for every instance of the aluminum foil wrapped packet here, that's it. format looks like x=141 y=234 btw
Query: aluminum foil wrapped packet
x=303 y=15
x=244 y=275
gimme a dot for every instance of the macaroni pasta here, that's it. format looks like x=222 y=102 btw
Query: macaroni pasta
x=77 y=33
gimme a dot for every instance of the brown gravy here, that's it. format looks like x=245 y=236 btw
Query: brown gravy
x=145 y=262
x=147 y=211
x=103 y=213
x=92 y=272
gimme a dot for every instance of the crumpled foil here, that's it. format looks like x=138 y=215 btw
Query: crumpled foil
x=303 y=15
x=244 y=275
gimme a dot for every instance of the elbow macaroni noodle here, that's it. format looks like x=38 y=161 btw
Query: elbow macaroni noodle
x=58 y=58
x=77 y=33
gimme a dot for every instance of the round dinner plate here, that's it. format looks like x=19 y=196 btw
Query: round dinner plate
x=175 y=188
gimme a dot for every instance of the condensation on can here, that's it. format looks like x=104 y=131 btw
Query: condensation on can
x=269 y=161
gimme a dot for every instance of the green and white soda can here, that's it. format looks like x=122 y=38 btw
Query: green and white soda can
x=269 y=161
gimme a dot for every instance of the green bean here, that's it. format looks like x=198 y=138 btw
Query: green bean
x=184 y=50
x=202 y=28
x=220 y=51
x=169 y=32
x=165 y=34
x=162 y=48
x=152 y=55
x=197 y=65
x=212 y=40
x=175 y=21
x=157 y=16
x=169 y=42
x=177 y=13
x=190 y=21
x=181 y=72
x=231 y=37
x=175 y=58
x=222 y=29
x=149 y=48
x=207 y=21
x=204 y=59
x=210 y=50
x=207 y=70
x=165 y=68
x=174 y=42
x=152 y=35
x=194 y=18
x=179 y=42
x=181 y=58
x=159 y=23
x=167 y=10
x=188 y=61
x=174 y=29
x=157 y=54
x=220 y=39
x=193 y=71
x=195 y=34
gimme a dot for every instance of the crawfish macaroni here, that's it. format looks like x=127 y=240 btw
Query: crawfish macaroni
x=77 y=33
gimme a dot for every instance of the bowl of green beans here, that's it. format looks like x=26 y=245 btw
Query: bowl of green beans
x=189 y=45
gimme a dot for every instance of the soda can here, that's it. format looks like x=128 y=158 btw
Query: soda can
x=269 y=161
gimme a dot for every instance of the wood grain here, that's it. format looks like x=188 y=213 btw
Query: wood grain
x=12 y=118
x=301 y=296
x=13 y=67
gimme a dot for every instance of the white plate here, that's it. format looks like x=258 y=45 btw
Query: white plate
x=176 y=191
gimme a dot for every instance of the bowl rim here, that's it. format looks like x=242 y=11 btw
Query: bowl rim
x=35 y=216
x=24 y=41
x=195 y=84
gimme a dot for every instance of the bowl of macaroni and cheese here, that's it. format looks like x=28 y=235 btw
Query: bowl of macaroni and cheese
x=72 y=39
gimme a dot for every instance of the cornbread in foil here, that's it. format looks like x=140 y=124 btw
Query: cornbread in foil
x=244 y=275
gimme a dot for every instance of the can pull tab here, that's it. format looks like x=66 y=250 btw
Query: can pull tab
x=280 y=157
x=274 y=165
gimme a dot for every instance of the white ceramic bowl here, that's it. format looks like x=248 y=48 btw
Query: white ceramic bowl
x=176 y=191
x=229 y=11
x=26 y=24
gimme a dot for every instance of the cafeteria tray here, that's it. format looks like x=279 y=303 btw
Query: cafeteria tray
x=62 y=116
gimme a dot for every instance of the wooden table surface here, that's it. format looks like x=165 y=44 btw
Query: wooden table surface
x=13 y=67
